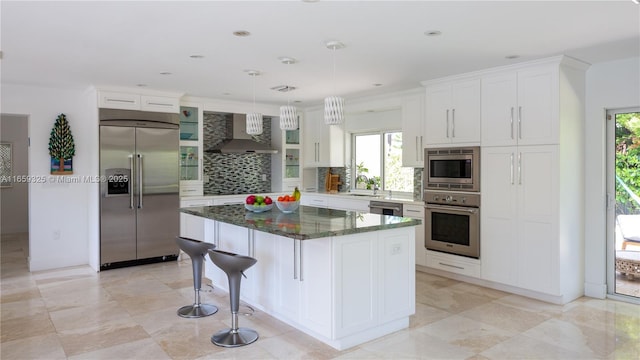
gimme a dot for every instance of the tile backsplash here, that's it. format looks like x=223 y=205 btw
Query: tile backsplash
x=234 y=173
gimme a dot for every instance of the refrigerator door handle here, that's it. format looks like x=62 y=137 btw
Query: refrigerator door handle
x=130 y=181
x=139 y=181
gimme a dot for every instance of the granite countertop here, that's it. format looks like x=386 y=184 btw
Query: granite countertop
x=305 y=223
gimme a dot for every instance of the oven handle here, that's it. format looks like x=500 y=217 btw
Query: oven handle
x=394 y=208
x=459 y=209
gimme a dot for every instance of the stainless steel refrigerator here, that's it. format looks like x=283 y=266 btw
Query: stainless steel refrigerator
x=139 y=189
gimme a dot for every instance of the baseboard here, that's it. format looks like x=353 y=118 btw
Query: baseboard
x=598 y=291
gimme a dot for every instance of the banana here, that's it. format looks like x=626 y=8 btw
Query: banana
x=296 y=194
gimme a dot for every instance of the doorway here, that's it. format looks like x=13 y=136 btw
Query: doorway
x=623 y=182
x=14 y=191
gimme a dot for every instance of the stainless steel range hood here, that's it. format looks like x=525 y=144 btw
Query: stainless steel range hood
x=241 y=142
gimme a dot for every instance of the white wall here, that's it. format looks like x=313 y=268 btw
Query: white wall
x=15 y=211
x=609 y=85
x=70 y=209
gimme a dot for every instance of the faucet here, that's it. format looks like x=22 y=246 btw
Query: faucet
x=375 y=190
x=390 y=195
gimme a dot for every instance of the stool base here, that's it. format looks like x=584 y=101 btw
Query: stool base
x=196 y=311
x=230 y=338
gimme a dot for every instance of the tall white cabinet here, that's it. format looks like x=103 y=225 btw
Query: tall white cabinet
x=532 y=177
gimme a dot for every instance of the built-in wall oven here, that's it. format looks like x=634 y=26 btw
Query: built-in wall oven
x=452 y=222
x=452 y=200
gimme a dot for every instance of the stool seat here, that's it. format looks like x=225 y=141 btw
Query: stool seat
x=234 y=266
x=196 y=250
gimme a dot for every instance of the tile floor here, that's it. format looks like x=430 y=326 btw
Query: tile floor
x=130 y=313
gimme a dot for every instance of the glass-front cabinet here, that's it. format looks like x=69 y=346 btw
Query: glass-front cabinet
x=292 y=159
x=191 y=149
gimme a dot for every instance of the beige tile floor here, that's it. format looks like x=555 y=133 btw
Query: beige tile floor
x=130 y=313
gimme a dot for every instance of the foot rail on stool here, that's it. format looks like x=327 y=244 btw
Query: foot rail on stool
x=233 y=265
x=196 y=250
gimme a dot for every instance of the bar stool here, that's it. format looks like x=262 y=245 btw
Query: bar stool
x=233 y=265
x=197 y=251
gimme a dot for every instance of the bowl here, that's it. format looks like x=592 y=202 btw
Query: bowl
x=288 y=207
x=258 y=208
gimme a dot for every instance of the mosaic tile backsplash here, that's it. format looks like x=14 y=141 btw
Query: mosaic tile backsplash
x=234 y=173
x=345 y=178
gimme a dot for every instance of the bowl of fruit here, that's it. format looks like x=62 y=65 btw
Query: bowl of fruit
x=289 y=203
x=258 y=203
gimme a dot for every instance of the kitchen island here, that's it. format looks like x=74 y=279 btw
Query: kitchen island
x=343 y=277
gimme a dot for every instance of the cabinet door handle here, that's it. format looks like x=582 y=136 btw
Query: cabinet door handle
x=520 y=122
x=447 y=123
x=519 y=168
x=420 y=150
x=449 y=265
x=295 y=260
x=417 y=151
x=300 y=260
x=511 y=162
x=511 y=123
x=453 y=123
x=127 y=101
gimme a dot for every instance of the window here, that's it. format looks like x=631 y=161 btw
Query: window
x=378 y=162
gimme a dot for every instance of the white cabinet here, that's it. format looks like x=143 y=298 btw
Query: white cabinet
x=532 y=177
x=310 y=199
x=229 y=200
x=521 y=107
x=341 y=203
x=324 y=145
x=191 y=226
x=303 y=283
x=452 y=112
x=520 y=223
x=417 y=212
x=132 y=101
x=412 y=130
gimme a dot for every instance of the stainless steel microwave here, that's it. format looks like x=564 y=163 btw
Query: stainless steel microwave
x=453 y=168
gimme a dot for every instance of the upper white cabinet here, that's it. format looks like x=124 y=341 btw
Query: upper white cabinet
x=323 y=145
x=132 y=101
x=521 y=106
x=412 y=129
x=452 y=112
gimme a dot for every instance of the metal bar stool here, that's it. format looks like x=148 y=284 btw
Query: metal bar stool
x=233 y=265
x=197 y=251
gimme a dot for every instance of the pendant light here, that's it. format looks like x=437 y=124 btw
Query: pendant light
x=288 y=113
x=334 y=105
x=254 y=119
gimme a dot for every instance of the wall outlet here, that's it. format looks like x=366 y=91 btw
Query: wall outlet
x=205 y=178
x=264 y=177
x=396 y=249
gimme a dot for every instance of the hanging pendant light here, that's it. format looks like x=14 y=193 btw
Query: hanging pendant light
x=254 y=119
x=334 y=105
x=288 y=113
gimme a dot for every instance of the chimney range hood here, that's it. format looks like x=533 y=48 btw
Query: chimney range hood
x=241 y=142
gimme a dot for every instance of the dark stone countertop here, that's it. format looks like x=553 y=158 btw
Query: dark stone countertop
x=305 y=223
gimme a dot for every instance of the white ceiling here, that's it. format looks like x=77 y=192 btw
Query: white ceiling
x=81 y=43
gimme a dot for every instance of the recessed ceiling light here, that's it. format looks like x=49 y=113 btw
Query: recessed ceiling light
x=377 y=84
x=297 y=101
x=241 y=33
x=141 y=85
x=196 y=56
x=287 y=60
x=226 y=93
x=433 y=33
x=512 y=57
x=165 y=73
x=253 y=72
x=310 y=1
